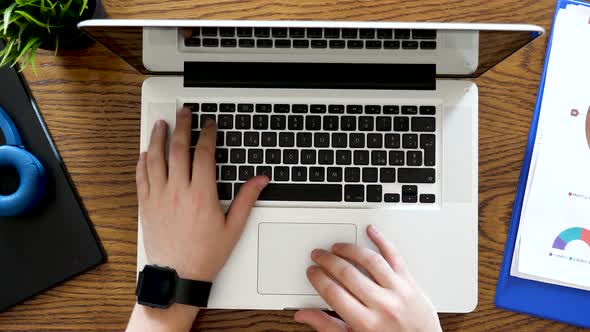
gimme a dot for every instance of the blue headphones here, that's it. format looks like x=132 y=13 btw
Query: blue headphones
x=31 y=172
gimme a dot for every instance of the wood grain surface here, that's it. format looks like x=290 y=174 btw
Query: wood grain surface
x=91 y=103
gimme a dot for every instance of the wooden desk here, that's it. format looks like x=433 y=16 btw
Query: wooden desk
x=91 y=100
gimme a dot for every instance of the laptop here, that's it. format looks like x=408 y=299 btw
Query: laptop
x=355 y=123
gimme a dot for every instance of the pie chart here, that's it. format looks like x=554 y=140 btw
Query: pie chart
x=571 y=234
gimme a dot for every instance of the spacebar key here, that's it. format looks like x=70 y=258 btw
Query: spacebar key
x=301 y=192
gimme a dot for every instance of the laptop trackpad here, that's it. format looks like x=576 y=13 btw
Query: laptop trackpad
x=284 y=249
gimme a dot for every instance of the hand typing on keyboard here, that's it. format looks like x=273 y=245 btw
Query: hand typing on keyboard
x=388 y=299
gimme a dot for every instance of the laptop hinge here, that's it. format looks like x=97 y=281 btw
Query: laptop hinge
x=369 y=76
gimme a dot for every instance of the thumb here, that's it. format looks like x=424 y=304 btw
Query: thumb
x=240 y=208
x=320 y=321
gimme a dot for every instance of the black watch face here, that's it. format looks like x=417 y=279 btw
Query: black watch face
x=157 y=287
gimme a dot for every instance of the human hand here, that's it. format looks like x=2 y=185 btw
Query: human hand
x=387 y=300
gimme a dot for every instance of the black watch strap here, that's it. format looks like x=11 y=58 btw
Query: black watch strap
x=193 y=292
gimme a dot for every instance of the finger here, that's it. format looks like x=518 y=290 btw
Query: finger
x=156 y=156
x=141 y=178
x=320 y=321
x=179 y=148
x=347 y=275
x=204 y=164
x=369 y=260
x=388 y=250
x=240 y=208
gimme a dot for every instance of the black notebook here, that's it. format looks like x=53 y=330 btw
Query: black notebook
x=55 y=241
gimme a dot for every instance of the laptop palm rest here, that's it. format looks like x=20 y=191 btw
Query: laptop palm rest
x=284 y=253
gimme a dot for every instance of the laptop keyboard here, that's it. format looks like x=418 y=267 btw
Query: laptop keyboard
x=315 y=38
x=324 y=152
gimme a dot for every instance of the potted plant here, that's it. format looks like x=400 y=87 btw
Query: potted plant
x=29 y=25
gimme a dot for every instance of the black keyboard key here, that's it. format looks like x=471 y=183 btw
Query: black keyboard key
x=273 y=156
x=264 y=170
x=337 y=43
x=374 y=193
x=427 y=143
x=233 y=138
x=209 y=31
x=301 y=192
x=313 y=122
x=424 y=34
x=392 y=198
x=319 y=43
x=264 y=43
x=224 y=191
x=414 y=158
x=391 y=44
x=336 y=109
x=221 y=156
x=379 y=158
x=295 y=122
x=260 y=122
x=243 y=122
x=384 y=33
x=279 y=32
x=195 y=32
x=416 y=175
x=428 y=45
x=349 y=33
x=317 y=109
x=373 y=44
x=193 y=107
x=321 y=140
x=299 y=174
x=263 y=108
x=425 y=124
x=326 y=157
x=427 y=110
x=244 y=32
x=227 y=31
x=286 y=139
x=246 y=43
x=332 y=33
x=245 y=172
x=410 y=190
x=355 y=44
x=427 y=198
x=262 y=32
x=390 y=109
x=269 y=139
x=219 y=139
x=281 y=173
x=282 y=108
x=228 y=172
x=348 y=123
x=343 y=157
x=383 y=123
x=330 y=123
x=372 y=109
x=361 y=157
x=334 y=174
x=290 y=157
x=402 y=33
x=245 y=108
x=401 y=123
x=392 y=141
x=339 y=140
x=308 y=157
x=304 y=140
x=207 y=117
x=354 y=193
x=255 y=156
x=366 y=33
x=406 y=109
x=357 y=140
x=300 y=108
x=237 y=156
x=370 y=174
x=301 y=43
x=396 y=158
x=192 y=42
x=354 y=109
x=226 y=42
x=409 y=198
x=316 y=174
x=297 y=32
x=282 y=43
x=210 y=42
x=209 y=107
x=278 y=122
x=366 y=123
x=409 y=44
x=314 y=32
x=410 y=141
x=352 y=174
x=387 y=175
x=251 y=139
x=225 y=121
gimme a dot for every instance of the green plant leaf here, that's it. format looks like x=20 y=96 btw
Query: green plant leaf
x=7 y=13
x=24 y=50
x=84 y=6
x=6 y=53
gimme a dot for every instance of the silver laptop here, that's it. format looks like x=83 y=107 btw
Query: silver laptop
x=355 y=123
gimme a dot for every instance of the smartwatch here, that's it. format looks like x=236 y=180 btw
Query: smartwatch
x=160 y=287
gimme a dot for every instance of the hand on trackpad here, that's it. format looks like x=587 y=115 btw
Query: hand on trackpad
x=284 y=253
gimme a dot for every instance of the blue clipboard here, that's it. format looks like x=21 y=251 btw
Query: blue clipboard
x=559 y=303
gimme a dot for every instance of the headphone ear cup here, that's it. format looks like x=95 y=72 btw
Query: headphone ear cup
x=33 y=181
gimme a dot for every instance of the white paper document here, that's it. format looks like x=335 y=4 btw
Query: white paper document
x=553 y=241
